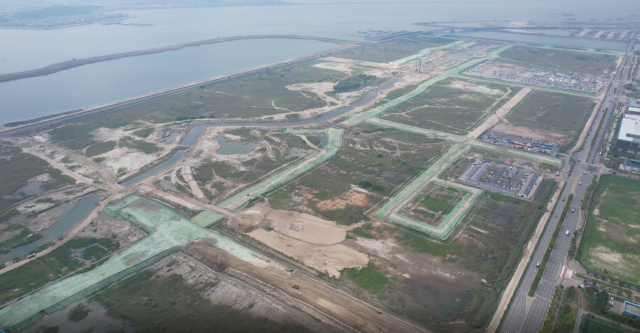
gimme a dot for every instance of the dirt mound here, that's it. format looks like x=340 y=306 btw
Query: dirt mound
x=246 y=222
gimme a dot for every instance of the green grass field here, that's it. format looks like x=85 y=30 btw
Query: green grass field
x=591 y=326
x=566 y=318
x=167 y=304
x=443 y=107
x=376 y=159
x=565 y=61
x=246 y=97
x=564 y=115
x=394 y=49
x=610 y=240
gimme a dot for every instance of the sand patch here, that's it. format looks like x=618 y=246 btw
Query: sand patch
x=381 y=247
x=336 y=66
x=305 y=227
x=606 y=255
x=299 y=226
x=330 y=259
x=468 y=86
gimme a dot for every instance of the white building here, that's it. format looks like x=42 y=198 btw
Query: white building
x=629 y=133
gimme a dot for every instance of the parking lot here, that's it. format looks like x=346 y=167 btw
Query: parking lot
x=518 y=142
x=502 y=178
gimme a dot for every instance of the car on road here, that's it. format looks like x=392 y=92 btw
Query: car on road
x=538 y=264
x=567 y=233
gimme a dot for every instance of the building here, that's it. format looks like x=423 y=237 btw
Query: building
x=634 y=107
x=629 y=133
x=631 y=309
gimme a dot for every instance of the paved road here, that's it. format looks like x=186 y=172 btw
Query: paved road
x=517 y=318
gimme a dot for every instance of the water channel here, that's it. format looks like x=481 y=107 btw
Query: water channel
x=79 y=211
x=194 y=134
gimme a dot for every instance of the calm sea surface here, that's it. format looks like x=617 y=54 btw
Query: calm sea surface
x=22 y=50
x=126 y=77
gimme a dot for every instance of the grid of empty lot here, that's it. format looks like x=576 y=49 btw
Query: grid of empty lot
x=451 y=106
x=566 y=61
x=543 y=115
x=610 y=240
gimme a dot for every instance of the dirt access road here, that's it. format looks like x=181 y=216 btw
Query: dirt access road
x=315 y=297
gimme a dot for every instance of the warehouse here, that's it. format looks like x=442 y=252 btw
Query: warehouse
x=629 y=134
x=634 y=107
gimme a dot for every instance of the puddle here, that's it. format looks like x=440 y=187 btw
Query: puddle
x=97 y=321
x=32 y=188
x=79 y=211
x=231 y=148
x=171 y=136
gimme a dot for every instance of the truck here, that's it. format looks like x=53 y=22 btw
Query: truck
x=31 y=256
x=295 y=286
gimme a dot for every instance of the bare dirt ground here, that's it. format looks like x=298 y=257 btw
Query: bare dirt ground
x=468 y=86
x=329 y=305
x=499 y=115
x=330 y=259
x=220 y=288
x=351 y=198
x=313 y=241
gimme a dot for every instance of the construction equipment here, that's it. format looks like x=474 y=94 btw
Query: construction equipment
x=295 y=286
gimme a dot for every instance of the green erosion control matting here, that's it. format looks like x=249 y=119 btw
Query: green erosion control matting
x=404 y=197
x=444 y=229
x=241 y=199
x=357 y=119
x=290 y=130
x=168 y=232
x=519 y=153
x=466 y=65
x=207 y=218
x=425 y=52
x=416 y=130
x=457 y=138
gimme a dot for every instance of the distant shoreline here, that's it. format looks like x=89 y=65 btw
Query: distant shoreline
x=81 y=62
x=56 y=119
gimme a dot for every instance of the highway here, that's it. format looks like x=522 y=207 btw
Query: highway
x=519 y=316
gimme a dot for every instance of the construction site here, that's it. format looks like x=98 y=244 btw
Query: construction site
x=398 y=205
